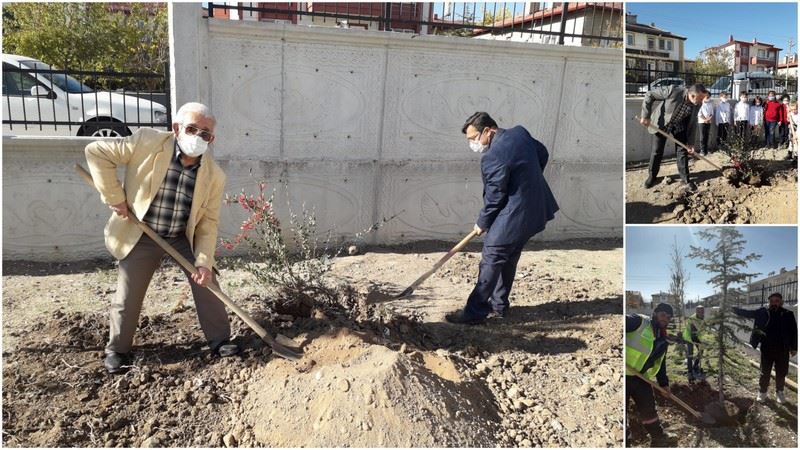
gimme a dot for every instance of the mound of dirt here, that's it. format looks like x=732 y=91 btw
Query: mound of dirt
x=720 y=198
x=364 y=395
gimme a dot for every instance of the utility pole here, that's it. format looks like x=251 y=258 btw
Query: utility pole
x=789 y=54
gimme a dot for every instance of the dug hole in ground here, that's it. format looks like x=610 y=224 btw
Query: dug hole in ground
x=743 y=423
x=376 y=371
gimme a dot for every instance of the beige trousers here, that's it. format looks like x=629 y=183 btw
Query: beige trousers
x=135 y=272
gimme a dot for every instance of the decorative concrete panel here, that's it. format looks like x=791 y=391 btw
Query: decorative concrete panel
x=245 y=79
x=590 y=118
x=590 y=197
x=49 y=212
x=332 y=100
x=429 y=94
x=432 y=200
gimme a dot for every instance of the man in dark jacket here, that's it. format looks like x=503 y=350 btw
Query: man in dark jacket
x=645 y=355
x=775 y=329
x=517 y=204
x=672 y=109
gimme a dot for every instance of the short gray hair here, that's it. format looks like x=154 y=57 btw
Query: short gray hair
x=193 y=107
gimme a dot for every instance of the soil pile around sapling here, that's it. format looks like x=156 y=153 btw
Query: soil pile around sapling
x=739 y=420
x=727 y=197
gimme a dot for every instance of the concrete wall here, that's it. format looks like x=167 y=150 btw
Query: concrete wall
x=357 y=125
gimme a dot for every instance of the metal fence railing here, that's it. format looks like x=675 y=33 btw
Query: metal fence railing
x=759 y=295
x=585 y=24
x=639 y=80
x=41 y=100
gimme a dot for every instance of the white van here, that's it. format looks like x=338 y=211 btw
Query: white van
x=32 y=97
x=758 y=83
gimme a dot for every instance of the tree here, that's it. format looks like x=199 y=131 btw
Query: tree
x=678 y=279
x=131 y=37
x=714 y=62
x=725 y=261
x=491 y=17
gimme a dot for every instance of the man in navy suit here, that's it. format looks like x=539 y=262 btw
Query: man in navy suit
x=517 y=204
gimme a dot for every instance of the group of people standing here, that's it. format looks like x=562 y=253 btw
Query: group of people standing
x=775 y=118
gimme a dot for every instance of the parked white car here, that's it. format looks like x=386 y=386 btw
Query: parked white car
x=758 y=83
x=662 y=82
x=52 y=97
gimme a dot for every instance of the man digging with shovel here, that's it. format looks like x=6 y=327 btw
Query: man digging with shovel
x=176 y=188
x=672 y=109
x=517 y=204
x=645 y=360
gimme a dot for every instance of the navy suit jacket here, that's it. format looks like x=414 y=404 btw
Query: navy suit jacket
x=517 y=202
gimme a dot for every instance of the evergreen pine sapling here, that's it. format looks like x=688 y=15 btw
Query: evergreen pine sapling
x=725 y=261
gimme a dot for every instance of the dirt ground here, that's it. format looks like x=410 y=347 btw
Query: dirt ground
x=763 y=425
x=716 y=200
x=376 y=371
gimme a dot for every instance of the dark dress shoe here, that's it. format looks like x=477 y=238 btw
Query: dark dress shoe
x=650 y=182
x=117 y=362
x=497 y=314
x=689 y=186
x=458 y=317
x=226 y=348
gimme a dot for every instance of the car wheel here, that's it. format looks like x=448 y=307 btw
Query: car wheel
x=104 y=130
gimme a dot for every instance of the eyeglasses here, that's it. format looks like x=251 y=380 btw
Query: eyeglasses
x=192 y=130
x=476 y=137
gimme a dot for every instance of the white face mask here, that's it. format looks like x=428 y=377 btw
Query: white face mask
x=771 y=98
x=192 y=146
x=743 y=99
x=477 y=147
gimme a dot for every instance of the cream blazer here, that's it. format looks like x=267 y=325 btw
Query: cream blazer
x=146 y=155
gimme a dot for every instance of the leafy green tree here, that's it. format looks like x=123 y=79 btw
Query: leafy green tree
x=713 y=61
x=725 y=261
x=129 y=37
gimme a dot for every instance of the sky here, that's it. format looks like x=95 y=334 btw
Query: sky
x=647 y=256
x=709 y=24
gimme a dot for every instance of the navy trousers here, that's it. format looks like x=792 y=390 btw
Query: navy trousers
x=496 y=276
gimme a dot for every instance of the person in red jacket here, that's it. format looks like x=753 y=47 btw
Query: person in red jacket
x=772 y=120
x=784 y=123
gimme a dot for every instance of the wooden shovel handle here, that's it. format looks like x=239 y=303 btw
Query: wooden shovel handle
x=444 y=259
x=669 y=395
x=672 y=139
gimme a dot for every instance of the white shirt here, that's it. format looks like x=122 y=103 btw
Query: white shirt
x=706 y=112
x=756 y=118
x=723 y=113
x=742 y=112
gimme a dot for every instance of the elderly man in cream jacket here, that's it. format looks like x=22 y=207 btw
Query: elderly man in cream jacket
x=173 y=185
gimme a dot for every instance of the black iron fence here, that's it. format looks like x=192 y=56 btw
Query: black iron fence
x=639 y=80
x=759 y=295
x=39 y=99
x=585 y=24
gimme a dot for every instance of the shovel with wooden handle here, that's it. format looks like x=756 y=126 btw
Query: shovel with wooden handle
x=409 y=290
x=704 y=417
x=279 y=348
x=672 y=139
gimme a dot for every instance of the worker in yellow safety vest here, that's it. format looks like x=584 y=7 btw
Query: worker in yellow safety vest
x=645 y=354
x=692 y=329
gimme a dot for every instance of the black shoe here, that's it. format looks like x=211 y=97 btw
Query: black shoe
x=689 y=186
x=650 y=182
x=226 y=348
x=117 y=362
x=458 y=317
x=497 y=314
